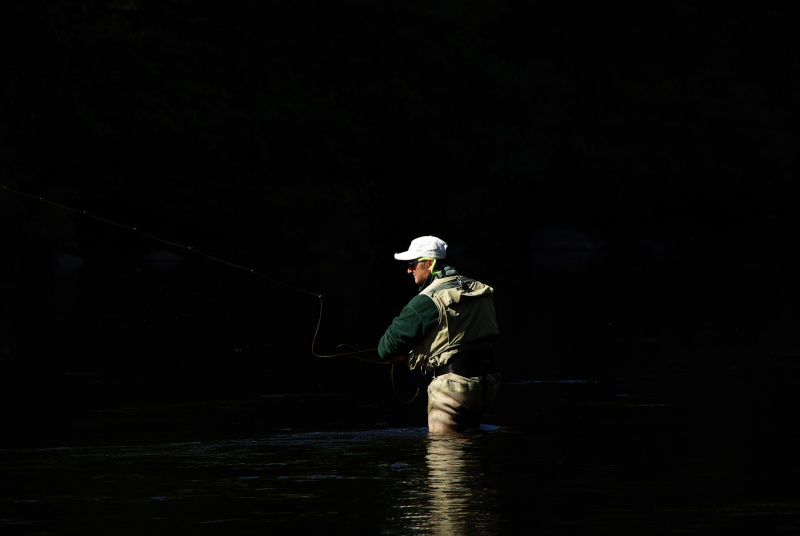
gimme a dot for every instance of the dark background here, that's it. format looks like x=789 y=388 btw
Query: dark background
x=624 y=175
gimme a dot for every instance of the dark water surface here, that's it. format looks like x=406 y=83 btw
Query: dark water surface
x=577 y=462
x=660 y=409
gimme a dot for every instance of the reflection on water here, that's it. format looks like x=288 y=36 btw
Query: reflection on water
x=451 y=492
x=459 y=490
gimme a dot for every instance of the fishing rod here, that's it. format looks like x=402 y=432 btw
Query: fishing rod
x=352 y=353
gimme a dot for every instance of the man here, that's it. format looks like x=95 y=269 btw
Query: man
x=448 y=331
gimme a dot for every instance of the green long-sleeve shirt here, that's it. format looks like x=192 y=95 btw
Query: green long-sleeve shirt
x=418 y=317
x=409 y=327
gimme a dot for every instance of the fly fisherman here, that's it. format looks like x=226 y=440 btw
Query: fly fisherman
x=448 y=331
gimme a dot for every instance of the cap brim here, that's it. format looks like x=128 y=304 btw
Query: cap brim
x=406 y=256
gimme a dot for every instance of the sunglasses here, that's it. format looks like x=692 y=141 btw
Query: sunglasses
x=413 y=264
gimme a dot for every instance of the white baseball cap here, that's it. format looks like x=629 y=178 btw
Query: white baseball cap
x=424 y=246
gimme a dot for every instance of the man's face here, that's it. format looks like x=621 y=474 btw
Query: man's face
x=420 y=270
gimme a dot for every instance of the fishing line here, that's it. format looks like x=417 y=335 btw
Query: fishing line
x=352 y=353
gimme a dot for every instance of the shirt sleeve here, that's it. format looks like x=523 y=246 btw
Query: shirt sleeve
x=409 y=327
